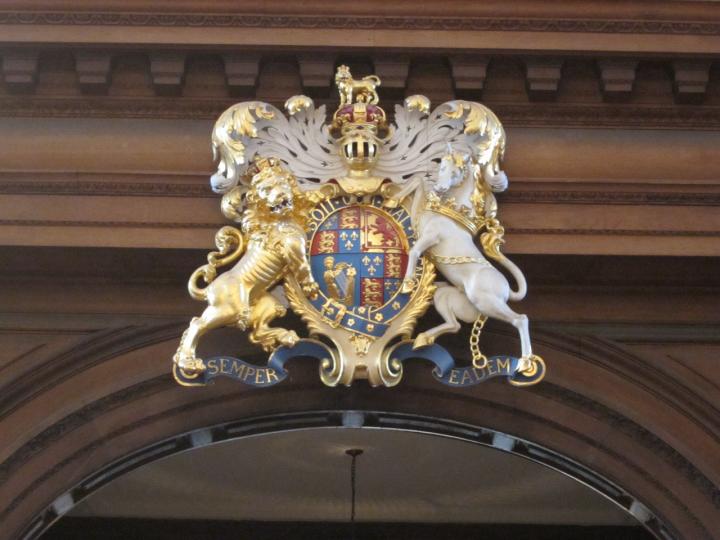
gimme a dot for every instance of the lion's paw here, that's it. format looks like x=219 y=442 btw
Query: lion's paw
x=290 y=339
x=311 y=290
x=188 y=364
x=243 y=318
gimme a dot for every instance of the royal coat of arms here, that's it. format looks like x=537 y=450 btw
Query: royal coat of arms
x=349 y=224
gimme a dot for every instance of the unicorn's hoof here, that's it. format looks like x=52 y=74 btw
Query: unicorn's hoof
x=528 y=365
x=527 y=376
x=408 y=286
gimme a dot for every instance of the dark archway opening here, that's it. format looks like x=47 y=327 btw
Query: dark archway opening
x=286 y=476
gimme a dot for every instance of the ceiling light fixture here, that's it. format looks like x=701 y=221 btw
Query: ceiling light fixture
x=353 y=453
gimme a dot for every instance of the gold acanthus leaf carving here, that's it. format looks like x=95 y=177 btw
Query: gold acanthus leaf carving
x=417 y=102
x=296 y=104
x=493 y=239
x=236 y=123
x=420 y=302
x=484 y=128
x=300 y=305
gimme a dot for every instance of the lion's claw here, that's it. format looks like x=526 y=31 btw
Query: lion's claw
x=189 y=365
x=311 y=290
x=290 y=339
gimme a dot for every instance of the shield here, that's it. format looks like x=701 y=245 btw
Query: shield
x=358 y=256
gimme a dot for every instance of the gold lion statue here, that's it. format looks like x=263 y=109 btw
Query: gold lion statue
x=272 y=245
x=352 y=91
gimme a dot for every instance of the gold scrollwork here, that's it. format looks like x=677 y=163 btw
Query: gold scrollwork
x=420 y=301
x=295 y=104
x=417 y=102
x=492 y=240
x=236 y=123
x=481 y=122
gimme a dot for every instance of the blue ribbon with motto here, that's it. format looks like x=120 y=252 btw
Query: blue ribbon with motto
x=445 y=372
x=252 y=374
x=449 y=374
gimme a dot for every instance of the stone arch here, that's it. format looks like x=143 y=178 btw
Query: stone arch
x=599 y=407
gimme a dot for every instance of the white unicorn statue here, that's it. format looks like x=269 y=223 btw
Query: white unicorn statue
x=446 y=218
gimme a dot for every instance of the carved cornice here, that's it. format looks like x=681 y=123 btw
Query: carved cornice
x=607 y=115
x=615 y=232
x=517 y=114
x=522 y=190
x=211 y=226
x=161 y=108
x=642 y=198
x=112 y=224
x=358 y=22
x=111 y=185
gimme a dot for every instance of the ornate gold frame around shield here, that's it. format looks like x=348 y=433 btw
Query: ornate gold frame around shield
x=359 y=355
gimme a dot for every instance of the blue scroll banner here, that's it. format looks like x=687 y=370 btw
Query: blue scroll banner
x=449 y=374
x=445 y=372
x=252 y=374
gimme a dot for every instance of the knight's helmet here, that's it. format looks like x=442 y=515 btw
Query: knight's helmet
x=360 y=128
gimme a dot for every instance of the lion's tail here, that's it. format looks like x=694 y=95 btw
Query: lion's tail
x=231 y=246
